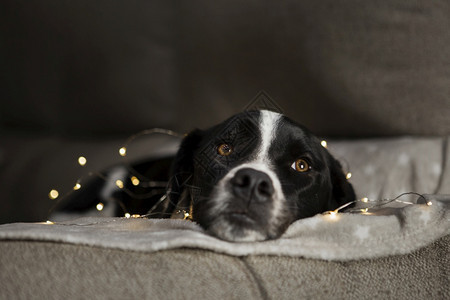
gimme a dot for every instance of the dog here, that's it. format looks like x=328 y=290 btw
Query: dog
x=248 y=178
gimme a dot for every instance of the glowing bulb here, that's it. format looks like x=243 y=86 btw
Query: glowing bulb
x=429 y=203
x=77 y=186
x=135 y=181
x=100 y=206
x=123 y=151
x=333 y=214
x=364 y=210
x=349 y=175
x=119 y=183
x=49 y=222
x=135 y=216
x=53 y=194
x=324 y=144
x=186 y=215
x=127 y=215
x=365 y=199
x=82 y=160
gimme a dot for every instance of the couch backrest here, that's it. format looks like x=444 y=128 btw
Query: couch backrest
x=342 y=68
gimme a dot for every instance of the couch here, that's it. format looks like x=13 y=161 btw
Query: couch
x=79 y=78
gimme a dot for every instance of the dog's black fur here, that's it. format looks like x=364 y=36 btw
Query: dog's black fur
x=323 y=188
x=252 y=193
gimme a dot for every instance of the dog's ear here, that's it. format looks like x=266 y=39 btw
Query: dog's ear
x=182 y=172
x=342 y=190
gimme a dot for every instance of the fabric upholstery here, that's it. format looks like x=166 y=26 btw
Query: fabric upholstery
x=402 y=256
x=78 y=272
x=36 y=270
x=342 y=68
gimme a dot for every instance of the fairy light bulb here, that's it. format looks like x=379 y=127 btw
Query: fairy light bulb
x=77 y=186
x=49 y=222
x=324 y=144
x=53 y=194
x=349 y=175
x=100 y=206
x=333 y=214
x=365 y=200
x=123 y=151
x=119 y=183
x=82 y=161
x=135 y=181
x=429 y=203
x=127 y=215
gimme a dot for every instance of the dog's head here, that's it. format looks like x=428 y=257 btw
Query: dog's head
x=251 y=176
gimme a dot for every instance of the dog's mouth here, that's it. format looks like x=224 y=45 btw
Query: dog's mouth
x=240 y=217
x=237 y=226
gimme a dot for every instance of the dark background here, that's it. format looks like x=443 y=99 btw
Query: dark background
x=78 y=77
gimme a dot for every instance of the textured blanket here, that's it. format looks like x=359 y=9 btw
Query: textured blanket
x=340 y=237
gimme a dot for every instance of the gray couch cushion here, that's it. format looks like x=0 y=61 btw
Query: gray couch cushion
x=54 y=271
x=400 y=256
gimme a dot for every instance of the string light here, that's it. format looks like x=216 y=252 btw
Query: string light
x=135 y=181
x=153 y=186
x=119 y=183
x=100 y=206
x=333 y=214
x=82 y=161
x=53 y=194
x=49 y=222
x=77 y=186
x=378 y=204
x=123 y=151
x=324 y=144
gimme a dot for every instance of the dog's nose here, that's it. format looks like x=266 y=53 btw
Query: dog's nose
x=251 y=184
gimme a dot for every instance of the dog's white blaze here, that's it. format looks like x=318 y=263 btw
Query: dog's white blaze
x=268 y=125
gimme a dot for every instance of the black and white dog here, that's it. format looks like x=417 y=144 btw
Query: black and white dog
x=251 y=176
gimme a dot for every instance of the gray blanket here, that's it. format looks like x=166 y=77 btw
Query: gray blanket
x=341 y=238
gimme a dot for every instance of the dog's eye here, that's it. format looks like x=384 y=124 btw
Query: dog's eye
x=301 y=165
x=224 y=149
